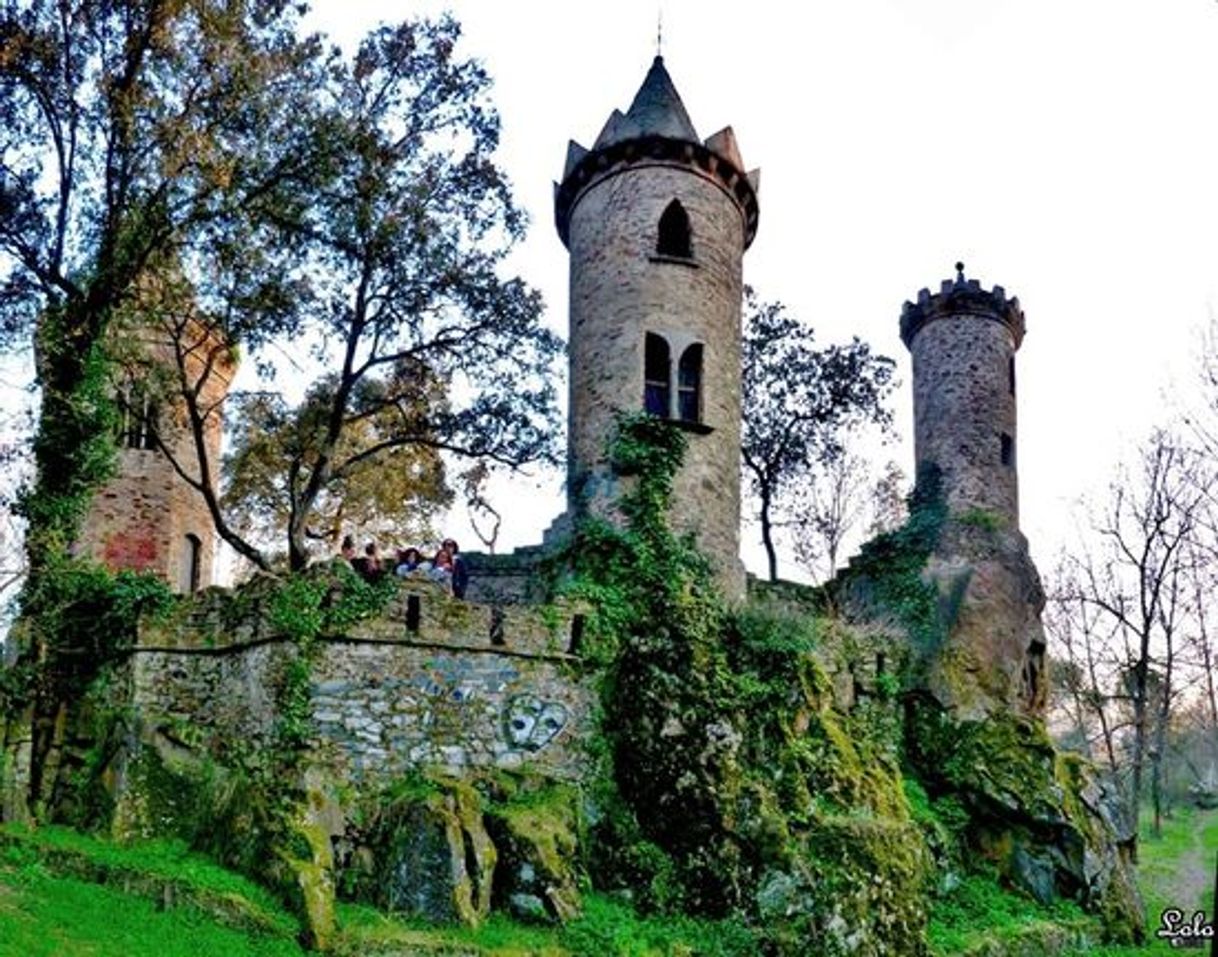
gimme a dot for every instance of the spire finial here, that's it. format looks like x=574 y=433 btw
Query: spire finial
x=659 y=31
x=959 y=272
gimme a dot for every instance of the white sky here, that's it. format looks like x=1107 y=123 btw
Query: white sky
x=1065 y=149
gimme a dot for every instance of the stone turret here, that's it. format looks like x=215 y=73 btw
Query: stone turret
x=657 y=222
x=963 y=341
x=146 y=517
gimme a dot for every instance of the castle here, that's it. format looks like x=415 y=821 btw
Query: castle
x=656 y=222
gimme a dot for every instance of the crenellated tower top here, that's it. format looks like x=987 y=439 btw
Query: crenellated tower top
x=961 y=296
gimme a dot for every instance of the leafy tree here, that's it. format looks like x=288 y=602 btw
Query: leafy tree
x=133 y=131
x=389 y=496
x=799 y=403
x=400 y=288
x=133 y=134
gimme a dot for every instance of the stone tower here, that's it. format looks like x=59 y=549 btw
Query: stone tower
x=146 y=517
x=963 y=341
x=657 y=222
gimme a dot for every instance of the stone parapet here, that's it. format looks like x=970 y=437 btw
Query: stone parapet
x=962 y=297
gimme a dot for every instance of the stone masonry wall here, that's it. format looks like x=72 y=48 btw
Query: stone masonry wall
x=450 y=684
x=620 y=290
x=963 y=403
x=145 y=516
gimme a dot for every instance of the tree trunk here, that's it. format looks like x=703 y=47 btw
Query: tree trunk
x=767 y=534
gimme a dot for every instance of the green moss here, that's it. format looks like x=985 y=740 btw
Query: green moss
x=308 y=861
x=982 y=519
x=537 y=833
x=887 y=575
x=980 y=914
x=859 y=886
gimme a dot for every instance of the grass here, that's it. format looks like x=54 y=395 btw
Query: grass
x=608 y=928
x=980 y=910
x=162 y=869
x=1175 y=870
x=66 y=893
x=43 y=915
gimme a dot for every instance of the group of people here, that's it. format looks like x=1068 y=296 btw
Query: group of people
x=446 y=567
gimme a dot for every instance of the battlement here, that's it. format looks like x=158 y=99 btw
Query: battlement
x=961 y=296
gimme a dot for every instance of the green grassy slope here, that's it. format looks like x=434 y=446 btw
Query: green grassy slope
x=63 y=893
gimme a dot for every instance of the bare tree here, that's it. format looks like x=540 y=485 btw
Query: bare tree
x=833 y=505
x=1135 y=585
x=888 y=509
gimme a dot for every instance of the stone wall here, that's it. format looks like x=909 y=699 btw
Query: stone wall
x=433 y=682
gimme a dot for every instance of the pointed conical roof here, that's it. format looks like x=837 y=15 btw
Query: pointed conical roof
x=657 y=110
x=656 y=130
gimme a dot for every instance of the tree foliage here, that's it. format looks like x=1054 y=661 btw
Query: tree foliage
x=399 y=289
x=389 y=496
x=129 y=132
x=799 y=404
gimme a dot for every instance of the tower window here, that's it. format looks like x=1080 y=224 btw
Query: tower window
x=1011 y=374
x=689 y=384
x=674 y=238
x=192 y=565
x=1007 y=449
x=657 y=366
x=137 y=418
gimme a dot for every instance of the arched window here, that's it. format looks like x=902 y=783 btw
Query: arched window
x=192 y=564
x=656 y=368
x=674 y=232
x=689 y=384
x=137 y=417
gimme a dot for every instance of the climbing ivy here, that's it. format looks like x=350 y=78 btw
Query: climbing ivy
x=887 y=573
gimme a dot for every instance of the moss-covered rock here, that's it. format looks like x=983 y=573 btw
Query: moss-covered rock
x=536 y=833
x=432 y=855
x=855 y=886
x=306 y=864
x=1044 y=819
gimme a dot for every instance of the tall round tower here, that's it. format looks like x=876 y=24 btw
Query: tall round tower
x=657 y=222
x=963 y=341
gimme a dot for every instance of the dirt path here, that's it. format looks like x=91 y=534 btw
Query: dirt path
x=1192 y=885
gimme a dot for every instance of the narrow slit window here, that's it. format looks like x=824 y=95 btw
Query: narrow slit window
x=674 y=238
x=689 y=384
x=414 y=612
x=1007 y=449
x=192 y=563
x=1011 y=374
x=575 y=646
x=656 y=365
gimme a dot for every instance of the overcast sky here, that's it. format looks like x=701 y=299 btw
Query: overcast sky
x=1065 y=149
